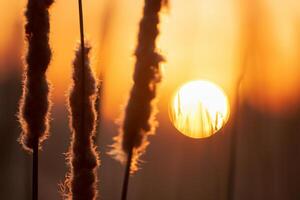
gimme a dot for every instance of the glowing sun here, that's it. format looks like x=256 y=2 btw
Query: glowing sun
x=199 y=109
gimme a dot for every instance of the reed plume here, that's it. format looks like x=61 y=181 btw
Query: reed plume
x=82 y=157
x=139 y=120
x=34 y=104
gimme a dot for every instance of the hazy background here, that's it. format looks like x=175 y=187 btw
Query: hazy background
x=216 y=40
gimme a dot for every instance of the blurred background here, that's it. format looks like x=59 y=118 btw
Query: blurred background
x=221 y=41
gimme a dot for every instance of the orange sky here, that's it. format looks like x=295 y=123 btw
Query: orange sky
x=199 y=38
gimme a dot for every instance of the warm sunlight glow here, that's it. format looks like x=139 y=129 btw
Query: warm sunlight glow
x=199 y=109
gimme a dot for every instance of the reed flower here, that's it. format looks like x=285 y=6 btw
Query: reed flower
x=34 y=104
x=139 y=118
x=83 y=160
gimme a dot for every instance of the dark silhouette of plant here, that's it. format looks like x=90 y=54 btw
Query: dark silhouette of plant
x=82 y=157
x=139 y=120
x=34 y=107
x=34 y=104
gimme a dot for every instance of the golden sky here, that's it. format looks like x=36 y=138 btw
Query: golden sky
x=201 y=39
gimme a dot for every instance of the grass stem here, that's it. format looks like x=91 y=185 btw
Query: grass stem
x=35 y=171
x=81 y=26
x=126 y=176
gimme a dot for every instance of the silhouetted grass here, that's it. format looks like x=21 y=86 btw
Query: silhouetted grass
x=34 y=104
x=139 y=121
x=81 y=182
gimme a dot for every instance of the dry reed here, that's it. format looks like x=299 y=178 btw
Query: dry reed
x=34 y=104
x=139 y=120
x=83 y=160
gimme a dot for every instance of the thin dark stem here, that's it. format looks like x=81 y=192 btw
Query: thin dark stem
x=232 y=164
x=234 y=138
x=81 y=29
x=35 y=172
x=126 y=176
x=82 y=63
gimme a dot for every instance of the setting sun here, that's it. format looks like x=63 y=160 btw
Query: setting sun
x=199 y=109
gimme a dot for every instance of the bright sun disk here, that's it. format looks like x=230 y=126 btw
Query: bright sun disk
x=199 y=109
